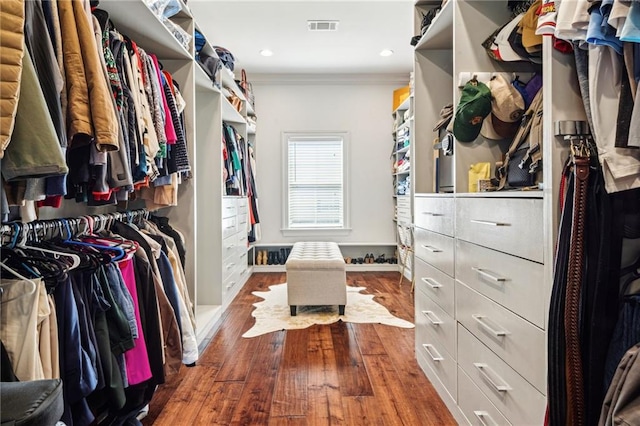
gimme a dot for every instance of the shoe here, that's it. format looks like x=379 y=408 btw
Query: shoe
x=283 y=256
x=381 y=259
x=259 y=258
x=270 y=258
x=360 y=260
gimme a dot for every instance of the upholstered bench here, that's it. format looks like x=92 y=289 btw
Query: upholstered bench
x=316 y=276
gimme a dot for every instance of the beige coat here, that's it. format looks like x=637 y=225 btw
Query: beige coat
x=11 y=53
x=90 y=111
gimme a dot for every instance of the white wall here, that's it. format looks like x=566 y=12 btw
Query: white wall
x=364 y=110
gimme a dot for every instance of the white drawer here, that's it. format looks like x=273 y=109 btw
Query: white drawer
x=516 y=399
x=435 y=214
x=241 y=257
x=229 y=266
x=510 y=225
x=242 y=222
x=229 y=246
x=431 y=353
x=442 y=326
x=228 y=207
x=229 y=283
x=475 y=405
x=435 y=249
x=404 y=215
x=229 y=226
x=242 y=241
x=242 y=204
x=518 y=342
x=513 y=282
x=436 y=284
x=404 y=202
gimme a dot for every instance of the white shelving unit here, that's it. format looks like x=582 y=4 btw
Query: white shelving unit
x=470 y=275
x=403 y=150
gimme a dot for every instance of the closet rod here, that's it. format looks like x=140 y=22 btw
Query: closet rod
x=37 y=230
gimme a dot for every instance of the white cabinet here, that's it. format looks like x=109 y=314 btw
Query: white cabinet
x=484 y=260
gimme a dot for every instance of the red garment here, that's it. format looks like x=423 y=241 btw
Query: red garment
x=136 y=359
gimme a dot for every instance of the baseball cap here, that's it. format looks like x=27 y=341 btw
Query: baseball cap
x=445 y=116
x=488 y=132
x=529 y=23
x=507 y=106
x=498 y=46
x=474 y=106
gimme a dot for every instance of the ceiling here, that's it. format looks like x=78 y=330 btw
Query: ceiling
x=365 y=29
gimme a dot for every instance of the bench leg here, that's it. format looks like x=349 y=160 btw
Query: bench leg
x=293 y=310
x=341 y=309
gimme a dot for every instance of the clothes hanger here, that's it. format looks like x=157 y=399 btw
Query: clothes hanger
x=34 y=285
x=118 y=252
x=75 y=259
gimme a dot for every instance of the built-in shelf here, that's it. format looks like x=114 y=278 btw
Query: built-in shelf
x=403 y=150
x=202 y=80
x=229 y=80
x=229 y=113
x=137 y=22
x=439 y=35
x=404 y=172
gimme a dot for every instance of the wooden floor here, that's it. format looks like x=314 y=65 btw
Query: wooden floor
x=343 y=374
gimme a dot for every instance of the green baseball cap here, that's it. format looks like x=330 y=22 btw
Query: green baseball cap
x=474 y=106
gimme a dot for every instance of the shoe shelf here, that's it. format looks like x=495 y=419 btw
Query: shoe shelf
x=276 y=255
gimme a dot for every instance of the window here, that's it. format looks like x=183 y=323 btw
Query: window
x=315 y=181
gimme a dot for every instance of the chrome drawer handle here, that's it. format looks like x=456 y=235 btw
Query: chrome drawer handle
x=428 y=348
x=231 y=284
x=481 y=415
x=230 y=227
x=486 y=222
x=484 y=369
x=229 y=266
x=488 y=275
x=481 y=319
x=431 y=282
x=432 y=214
x=231 y=246
x=432 y=317
x=431 y=249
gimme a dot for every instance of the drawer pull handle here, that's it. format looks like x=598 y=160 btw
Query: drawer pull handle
x=431 y=282
x=230 y=227
x=487 y=222
x=481 y=319
x=230 y=246
x=432 y=214
x=231 y=284
x=429 y=348
x=481 y=415
x=486 y=274
x=229 y=266
x=431 y=249
x=484 y=369
x=432 y=317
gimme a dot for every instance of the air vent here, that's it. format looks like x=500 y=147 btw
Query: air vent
x=323 y=25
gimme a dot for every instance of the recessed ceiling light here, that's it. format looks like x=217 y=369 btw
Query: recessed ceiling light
x=266 y=52
x=386 y=52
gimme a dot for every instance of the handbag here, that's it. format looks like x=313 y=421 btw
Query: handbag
x=518 y=175
x=235 y=100
x=246 y=88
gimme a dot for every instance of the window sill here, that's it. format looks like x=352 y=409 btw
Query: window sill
x=303 y=232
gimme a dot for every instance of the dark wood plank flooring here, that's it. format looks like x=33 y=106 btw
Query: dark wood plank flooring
x=342 y=374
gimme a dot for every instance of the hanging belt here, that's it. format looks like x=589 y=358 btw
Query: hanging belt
x=574 y=376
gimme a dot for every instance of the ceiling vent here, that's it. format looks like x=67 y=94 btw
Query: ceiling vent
x=323 y=25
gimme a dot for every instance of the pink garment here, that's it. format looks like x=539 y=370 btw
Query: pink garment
x=168 y=122
x=136 y=359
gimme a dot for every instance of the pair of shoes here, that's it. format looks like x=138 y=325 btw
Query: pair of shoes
x=261 y=258
x=369 y=258
x=381 y=259
x=347 y=260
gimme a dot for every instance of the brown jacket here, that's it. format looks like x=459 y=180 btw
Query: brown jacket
x=11 y=53
x=90 y=110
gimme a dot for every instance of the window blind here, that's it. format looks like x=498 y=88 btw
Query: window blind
x=315 y=182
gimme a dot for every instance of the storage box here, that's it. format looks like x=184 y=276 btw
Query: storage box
x=400 y=95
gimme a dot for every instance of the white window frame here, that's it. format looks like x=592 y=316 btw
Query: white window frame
x=345 y=229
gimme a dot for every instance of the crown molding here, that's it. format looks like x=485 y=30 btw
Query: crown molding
x=320 y=79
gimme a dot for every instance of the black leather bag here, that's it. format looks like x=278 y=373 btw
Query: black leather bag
x=518 y=175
